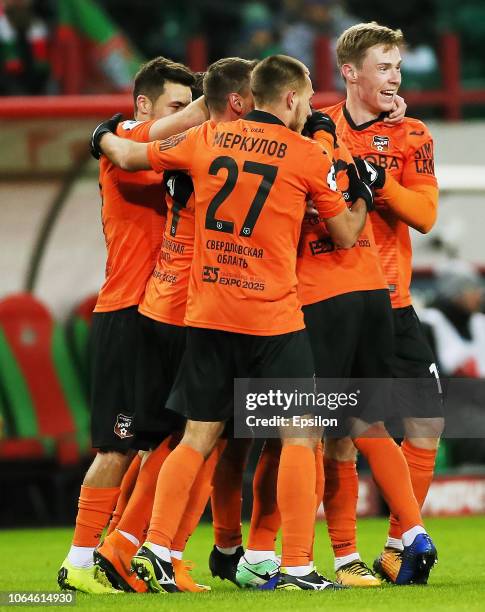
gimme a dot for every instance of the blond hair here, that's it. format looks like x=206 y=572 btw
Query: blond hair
x=353 y=43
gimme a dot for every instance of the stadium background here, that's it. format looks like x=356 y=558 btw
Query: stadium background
x=83 y=56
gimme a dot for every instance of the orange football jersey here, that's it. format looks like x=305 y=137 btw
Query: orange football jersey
x=406 y=152
x=133 y=216
x=165 y=296
x=325 y=270
x=251 y=178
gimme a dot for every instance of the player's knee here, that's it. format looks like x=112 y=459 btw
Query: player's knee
x=340 y=449
x=310 y=442
x=110 y=455
x=202 y=436
x=424 y=433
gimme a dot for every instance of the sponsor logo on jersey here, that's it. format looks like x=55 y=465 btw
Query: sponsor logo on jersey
x=381 y=143
x=123 y=426
x=210 y=274
x=130 y=124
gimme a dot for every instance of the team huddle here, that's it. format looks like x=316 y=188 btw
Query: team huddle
x=252 y=236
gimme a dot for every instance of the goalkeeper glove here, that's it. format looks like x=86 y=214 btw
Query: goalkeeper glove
x=109 y=125
x=374 y=176
x=359 y=188
x=320 y=121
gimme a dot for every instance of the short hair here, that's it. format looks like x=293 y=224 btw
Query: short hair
x=353 y=43
x=273 y=75
x=227 y=75
x=151 y=77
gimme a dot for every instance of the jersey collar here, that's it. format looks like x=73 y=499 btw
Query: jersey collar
x=362 y=126
x=263 y=117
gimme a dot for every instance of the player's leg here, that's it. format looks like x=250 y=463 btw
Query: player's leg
x=158 y=431
x=334 y=326
x=385 y=458
x=114 y=348
x=198 y=499
x=126 y=489
x=285 y=357
x=420 y=405
x=226 y=504
x=202 y=393
x=259 y=559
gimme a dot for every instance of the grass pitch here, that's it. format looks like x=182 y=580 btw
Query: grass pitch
x=30 y=560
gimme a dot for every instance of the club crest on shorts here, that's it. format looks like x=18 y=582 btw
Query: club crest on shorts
x=381 y=143
x=123 y=426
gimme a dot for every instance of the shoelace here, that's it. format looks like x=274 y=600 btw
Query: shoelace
x=359 y=568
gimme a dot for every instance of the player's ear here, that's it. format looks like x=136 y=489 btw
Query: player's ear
x=143 y=105
x=291 y=99
x=236 y=103
x=349 y=73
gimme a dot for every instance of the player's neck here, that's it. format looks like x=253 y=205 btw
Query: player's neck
x=222 y=117
x=283 y=115
x=359 y=112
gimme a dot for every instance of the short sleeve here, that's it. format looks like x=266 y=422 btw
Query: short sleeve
x=419 y=157
x=174 y=153
x=322 y=183
x=138 y=131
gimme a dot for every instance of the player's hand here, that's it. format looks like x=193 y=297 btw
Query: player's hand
x=398 y=111
x=179 y=186
x=374 y=176
x=359 y=188
x=318 y=121
x=109 y=125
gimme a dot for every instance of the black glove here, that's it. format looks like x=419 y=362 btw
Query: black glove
x=320 y=121
x=359 y=188
x=179 y=185
x=374 y=176
x=109 y=125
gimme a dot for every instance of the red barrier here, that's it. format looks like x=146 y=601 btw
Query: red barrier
x=197 y=53
x=451 y=98
x=324 y=65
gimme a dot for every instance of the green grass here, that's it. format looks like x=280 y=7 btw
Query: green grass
x=30 y=559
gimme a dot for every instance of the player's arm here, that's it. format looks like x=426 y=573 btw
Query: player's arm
x=126 y=154
x=193 y=114
x=415 y=199
x=344 y=225
x=417 y=206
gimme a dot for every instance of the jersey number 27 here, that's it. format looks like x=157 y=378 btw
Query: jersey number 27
x=268 y=175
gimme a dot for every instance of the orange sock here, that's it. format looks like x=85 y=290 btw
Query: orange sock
x=265 y=518
x=319 y=485
x=340 y=503
x=226 y=500
x=199 y=496
x=174 y=484
x=94 y=510
x=296 y=501
x=421 y=468
x=320 y=476
x=136 y=516
x=391 y=473
x=126 y=489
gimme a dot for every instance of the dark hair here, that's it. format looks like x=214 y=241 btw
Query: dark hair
x=228 y=75
x=151 y=77
x=274 y=74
